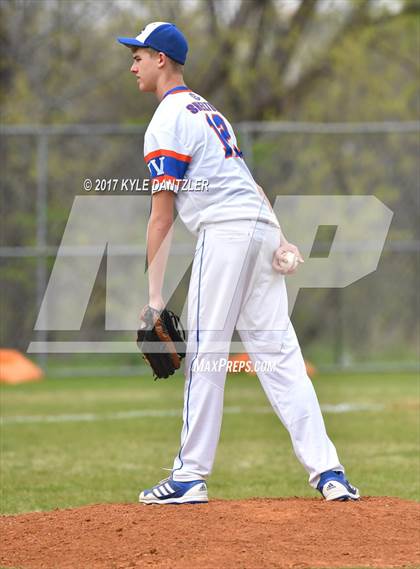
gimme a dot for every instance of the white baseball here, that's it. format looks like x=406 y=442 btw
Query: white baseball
x=288 y=261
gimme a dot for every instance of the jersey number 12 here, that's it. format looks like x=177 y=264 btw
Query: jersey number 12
x=217 y=123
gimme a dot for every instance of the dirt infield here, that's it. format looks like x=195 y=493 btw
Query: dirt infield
x=243 y=534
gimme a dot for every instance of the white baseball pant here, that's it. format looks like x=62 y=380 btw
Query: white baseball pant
x=234 y=285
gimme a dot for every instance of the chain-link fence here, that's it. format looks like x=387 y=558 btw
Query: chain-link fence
x=370 y=323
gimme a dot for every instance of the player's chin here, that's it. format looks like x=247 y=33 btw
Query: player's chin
x=144 y=87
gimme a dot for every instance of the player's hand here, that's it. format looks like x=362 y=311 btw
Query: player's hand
x=156 y=302
x=284 y=263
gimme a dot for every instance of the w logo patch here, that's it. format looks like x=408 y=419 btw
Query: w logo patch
x=156 y=166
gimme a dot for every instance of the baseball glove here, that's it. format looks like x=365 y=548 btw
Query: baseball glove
x=161 y=339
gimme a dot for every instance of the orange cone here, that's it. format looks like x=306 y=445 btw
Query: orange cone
x=310 y=369
x=239 y=362
x=16 y=368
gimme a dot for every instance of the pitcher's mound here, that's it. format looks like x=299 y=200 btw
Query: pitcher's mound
x=242 y=534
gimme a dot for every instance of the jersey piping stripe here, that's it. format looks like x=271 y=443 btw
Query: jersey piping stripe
x=195 y=357
x=170 y=153
x=165 y=177
x=175 y=90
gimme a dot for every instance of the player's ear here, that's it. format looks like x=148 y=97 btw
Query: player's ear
x=161 y=59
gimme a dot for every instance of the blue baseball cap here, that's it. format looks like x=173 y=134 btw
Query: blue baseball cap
x=161 y=36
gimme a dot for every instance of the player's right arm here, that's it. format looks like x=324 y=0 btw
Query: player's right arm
x=285 y=246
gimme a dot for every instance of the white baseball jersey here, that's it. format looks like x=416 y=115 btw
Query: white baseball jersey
x=188 y=139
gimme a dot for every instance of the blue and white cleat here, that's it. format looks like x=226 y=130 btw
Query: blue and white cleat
x=333 y=485
x=169 y=491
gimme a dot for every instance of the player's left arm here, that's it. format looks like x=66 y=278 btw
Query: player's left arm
x=159 y=239
x=167 y=159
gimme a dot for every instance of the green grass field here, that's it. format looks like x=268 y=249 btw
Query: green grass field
x=68 y=442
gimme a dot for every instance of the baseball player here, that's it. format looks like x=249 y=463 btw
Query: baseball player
x=237 y=280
